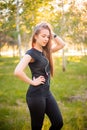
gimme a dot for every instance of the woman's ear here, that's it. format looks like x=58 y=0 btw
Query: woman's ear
x=35 y=37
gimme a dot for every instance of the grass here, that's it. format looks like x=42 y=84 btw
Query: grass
x=69 y=89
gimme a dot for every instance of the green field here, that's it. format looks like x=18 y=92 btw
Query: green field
x=69 y=89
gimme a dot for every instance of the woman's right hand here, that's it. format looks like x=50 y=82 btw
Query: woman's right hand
x=38 y=81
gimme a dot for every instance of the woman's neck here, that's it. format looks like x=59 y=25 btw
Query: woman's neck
x=39 y=48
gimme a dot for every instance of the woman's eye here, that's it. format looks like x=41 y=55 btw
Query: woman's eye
x=46 y=37
x=43 y=36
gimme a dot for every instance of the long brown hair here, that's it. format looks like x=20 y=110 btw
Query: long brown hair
x=47 y=48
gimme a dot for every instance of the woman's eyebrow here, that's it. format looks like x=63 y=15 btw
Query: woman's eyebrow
x=46 y=35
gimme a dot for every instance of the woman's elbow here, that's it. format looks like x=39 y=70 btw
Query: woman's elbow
x=16 y=72
x=62 y=46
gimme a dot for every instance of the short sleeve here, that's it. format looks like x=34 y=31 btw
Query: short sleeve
x=31 y=53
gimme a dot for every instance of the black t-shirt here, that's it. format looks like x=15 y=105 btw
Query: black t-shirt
x=39 y=67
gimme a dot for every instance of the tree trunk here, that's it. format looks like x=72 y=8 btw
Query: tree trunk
x=18 y=30
x=63 y=55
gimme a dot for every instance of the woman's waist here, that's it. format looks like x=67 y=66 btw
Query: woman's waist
x=47 y=77
x=39 y=90
x=36 y=75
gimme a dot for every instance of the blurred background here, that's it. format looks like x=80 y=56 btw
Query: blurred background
x=18 y=18
x=69 y=84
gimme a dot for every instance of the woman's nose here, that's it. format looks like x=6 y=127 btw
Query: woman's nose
x=46 y=39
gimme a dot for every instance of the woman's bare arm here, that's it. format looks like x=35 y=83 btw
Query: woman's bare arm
x=19 y=72
x=59 y=44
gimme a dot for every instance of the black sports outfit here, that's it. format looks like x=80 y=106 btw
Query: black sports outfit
x=39 y=98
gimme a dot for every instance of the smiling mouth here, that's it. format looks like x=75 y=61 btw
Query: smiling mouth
x=45 y=43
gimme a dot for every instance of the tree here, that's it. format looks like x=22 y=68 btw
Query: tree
x=7 y=23
x=17 y=27
x=68 y=20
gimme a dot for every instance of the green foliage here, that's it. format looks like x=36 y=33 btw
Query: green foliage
x=69 y=89
x=69 y=23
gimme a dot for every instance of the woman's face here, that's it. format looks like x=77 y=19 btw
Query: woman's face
x=43 y=37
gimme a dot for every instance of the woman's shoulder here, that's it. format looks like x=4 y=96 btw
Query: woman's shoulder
x=31 y=50
x=32 y=53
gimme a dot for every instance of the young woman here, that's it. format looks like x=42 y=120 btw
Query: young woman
x=39 y=98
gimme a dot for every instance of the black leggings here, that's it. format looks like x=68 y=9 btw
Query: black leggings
x=38 y=106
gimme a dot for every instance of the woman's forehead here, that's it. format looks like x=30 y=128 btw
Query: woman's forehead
x=44 y=31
